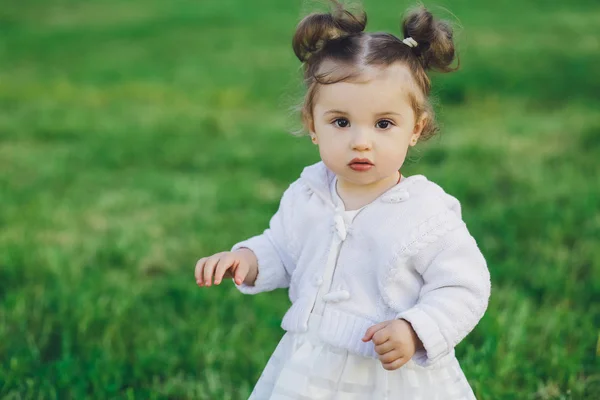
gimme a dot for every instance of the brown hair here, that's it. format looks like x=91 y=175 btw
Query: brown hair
x=333 y=46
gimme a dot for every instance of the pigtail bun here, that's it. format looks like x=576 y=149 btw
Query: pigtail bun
x=435 y=48
x=316 y=29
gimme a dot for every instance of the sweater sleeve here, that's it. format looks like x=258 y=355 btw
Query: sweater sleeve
x=273 y=249
x=455 y=292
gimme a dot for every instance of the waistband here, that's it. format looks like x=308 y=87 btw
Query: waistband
x=314 y=323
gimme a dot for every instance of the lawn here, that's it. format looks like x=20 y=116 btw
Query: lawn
x=139 y=136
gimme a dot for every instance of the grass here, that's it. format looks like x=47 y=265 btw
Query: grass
x=139 y=136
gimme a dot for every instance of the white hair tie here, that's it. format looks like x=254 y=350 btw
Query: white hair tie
x=410 y=42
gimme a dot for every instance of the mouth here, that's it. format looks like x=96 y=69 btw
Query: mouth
x=362 y=161
x=360 y=164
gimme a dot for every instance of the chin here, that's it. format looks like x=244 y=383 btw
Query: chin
x=361 y=178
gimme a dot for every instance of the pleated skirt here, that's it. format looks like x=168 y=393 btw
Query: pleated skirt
x=304 y=367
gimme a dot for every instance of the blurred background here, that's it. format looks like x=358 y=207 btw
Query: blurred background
x=139 y=136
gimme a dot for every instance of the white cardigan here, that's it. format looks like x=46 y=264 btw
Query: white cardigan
x=408 y=255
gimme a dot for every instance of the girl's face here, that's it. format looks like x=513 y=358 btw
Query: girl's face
x=369 y=119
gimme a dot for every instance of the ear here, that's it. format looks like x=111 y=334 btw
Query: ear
x=311 y=129
x=418 y=129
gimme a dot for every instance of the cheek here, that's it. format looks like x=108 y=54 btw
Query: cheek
x=396 y=142
x=401 y=151
x=394 y=151
x=329 y=141
x=332 y=152
x=329 y=150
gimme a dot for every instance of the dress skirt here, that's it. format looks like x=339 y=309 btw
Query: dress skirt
x=304 y=367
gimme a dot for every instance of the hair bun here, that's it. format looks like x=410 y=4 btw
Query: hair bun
x=316 y=29
x=435 y=47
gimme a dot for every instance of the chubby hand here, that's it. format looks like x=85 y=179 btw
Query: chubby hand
x=395 y=342
x=237 y=265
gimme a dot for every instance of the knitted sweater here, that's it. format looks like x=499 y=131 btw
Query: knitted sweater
x=408 y=254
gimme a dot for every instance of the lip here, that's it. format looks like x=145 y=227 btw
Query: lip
x=360 y=164
x=360 y=161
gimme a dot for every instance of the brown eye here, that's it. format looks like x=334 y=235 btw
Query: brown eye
x=341 y=122
x=384 y=124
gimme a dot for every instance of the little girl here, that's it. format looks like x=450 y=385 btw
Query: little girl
x=383 y=275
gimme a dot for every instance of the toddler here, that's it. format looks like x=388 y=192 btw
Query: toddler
x=383 y=275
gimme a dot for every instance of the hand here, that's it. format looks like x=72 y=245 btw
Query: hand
x=395 y=342
x=240 y=264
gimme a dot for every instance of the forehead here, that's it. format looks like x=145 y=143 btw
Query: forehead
x=374 y=88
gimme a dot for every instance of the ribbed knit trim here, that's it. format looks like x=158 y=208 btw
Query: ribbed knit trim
x=345 y=330
x=338 y=328
x=296 y=317
x=271 y=272
x=428 y=331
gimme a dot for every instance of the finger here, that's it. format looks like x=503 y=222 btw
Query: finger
x=390 y=356
x=381 y=336
x=198 y=271
x=224 y=263
x=240 y=272
x=371 y=331
x=384 y=347
x=209 y=268
x=395 y=364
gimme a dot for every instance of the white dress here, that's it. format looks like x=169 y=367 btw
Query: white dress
x=304 y=367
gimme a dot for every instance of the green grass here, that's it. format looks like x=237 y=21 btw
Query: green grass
x=137 y=137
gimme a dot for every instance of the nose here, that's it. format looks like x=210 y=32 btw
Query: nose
x=361 y=140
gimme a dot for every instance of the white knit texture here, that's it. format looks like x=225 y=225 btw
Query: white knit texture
x=406 y=255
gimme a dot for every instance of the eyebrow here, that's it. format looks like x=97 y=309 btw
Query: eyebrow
x=333 y=112
x=377 y=115
x=388 y=113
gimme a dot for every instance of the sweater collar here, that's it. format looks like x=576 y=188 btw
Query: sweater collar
x=318 y=178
